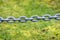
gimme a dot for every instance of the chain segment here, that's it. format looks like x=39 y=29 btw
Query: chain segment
x=35 y=18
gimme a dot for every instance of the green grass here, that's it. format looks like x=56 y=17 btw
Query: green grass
x=41 y=30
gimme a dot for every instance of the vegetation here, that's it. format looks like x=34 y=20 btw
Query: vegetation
x=41 y=30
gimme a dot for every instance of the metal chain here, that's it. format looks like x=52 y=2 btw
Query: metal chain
x=35 y=18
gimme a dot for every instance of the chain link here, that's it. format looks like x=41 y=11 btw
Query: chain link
x=46 y=17
x=57 y=16
x=35 y=18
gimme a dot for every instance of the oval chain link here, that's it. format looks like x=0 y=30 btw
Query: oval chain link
x=35 y=18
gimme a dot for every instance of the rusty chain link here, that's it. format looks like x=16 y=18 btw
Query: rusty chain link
x=35 y=18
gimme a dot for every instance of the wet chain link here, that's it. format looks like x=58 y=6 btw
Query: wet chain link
x=35 y=18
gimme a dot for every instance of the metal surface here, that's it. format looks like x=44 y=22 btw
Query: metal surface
x=35 y=18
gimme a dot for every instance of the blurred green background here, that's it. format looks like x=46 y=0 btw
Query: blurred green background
x=41 y=30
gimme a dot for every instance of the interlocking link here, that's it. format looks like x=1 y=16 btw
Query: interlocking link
x=46 y=17
x=53 y=17
x=1 y=19
x=10 y=19
x=34 y=18
x=22 y=19
x=58 y=15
